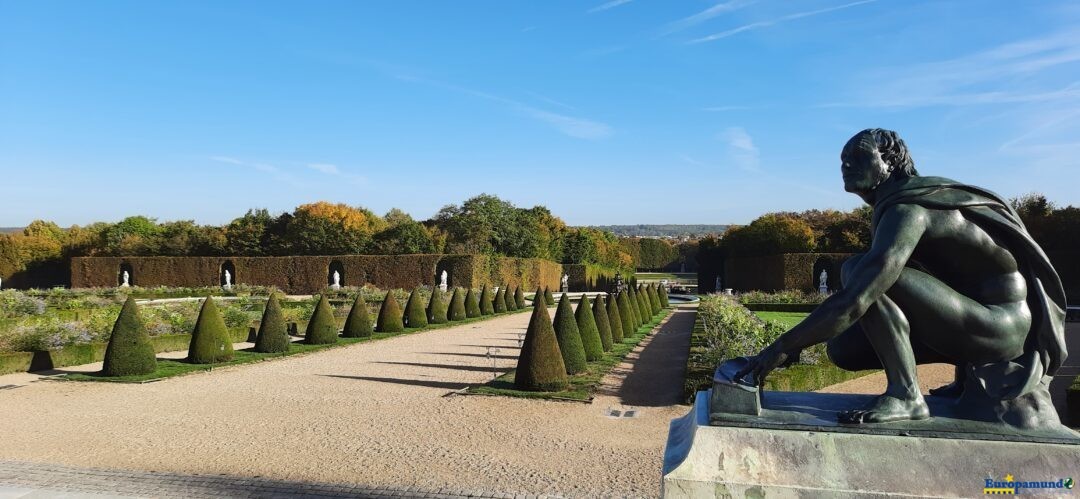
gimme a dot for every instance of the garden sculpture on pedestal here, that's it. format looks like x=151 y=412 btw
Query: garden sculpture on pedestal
x=952 y=276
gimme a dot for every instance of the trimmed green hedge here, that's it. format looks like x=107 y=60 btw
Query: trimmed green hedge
x=129 y=351
x=780 y=307
x=19 y=362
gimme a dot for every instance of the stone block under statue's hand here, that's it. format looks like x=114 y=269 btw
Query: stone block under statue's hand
x=734 y=392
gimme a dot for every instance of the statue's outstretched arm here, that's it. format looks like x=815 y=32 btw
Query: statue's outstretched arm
x=897 y=234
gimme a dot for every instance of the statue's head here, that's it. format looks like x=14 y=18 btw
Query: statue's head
x=873 y=156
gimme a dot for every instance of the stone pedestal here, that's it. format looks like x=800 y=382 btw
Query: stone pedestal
x=741 y=460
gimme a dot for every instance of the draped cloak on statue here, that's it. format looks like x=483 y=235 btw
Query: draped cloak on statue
x=1044 y=349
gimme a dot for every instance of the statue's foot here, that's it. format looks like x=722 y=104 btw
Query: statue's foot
x=886 y=408
x=952 y=390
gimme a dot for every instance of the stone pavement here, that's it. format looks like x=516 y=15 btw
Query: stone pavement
x=31 y=480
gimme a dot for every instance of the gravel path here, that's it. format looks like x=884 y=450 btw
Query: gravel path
x=380 y=414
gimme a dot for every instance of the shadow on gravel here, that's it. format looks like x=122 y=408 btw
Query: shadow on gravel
x=454 y=367
x=473 y=354
x=446 y=385
x=656 y=376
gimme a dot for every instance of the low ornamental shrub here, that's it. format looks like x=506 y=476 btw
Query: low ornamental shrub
x=436 y=309
x=654 y=300
x=733 y=331
x=358 y=323
x=273 y=335
x=664 y=298
x=540 y=366
x=129 y=351
x=508 y=301
x=390 y=315
x=322 y=328
x=457 y=306
x=519 y=298
x=415 y=315
x=549 y=299
x=603 y=326
x=590 y=335
x=472 y=304
x=499 y=304
x=625 y=315
x=210 y=341
x=486 y=307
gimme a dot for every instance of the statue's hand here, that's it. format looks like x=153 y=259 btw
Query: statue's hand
x=762 y=364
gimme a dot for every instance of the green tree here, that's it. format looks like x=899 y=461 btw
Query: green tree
x=273 y=336
x=472 y=304
x=654 y=299
x=540 y=366
x=566 y=331
x=129 y=351
x=322 y=328
x=508 y=300
x=210 y=341
x=499 y=303
x=590 y=334
x=615 y=319
x=632 y=303
x=390 y=315
x=436 y=309
x=549 y=299
x=486 y=307
x=643 y=305
x=330 y=229
x=603 y=325
x=457 y=306
x=249 y=235
x=405 y=238
x=663 y=297
x=415 y=315
x=358 y=323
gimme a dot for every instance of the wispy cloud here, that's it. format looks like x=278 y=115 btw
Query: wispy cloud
x=263 y=167
x=1010 y=73
x=741 y=149
x=705 y=15
x=609 y=5
x=325 y=168
x=779 y=20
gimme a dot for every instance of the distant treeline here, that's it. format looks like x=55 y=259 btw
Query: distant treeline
x=668 y=230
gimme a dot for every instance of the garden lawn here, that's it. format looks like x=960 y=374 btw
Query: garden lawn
x=582 y=385
x=789 y=319
x=167 y=368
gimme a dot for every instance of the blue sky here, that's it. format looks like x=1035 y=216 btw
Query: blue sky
x=616 y=112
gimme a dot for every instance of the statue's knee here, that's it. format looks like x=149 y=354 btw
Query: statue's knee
x=848 y=267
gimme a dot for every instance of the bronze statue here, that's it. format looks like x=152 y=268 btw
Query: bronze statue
x=951 y=276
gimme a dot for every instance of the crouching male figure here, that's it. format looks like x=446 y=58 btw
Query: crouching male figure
x=951 y=276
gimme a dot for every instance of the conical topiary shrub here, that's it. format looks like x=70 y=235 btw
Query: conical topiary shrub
x=436 y=309
x=508 y=297
x=615 y=319
x=358 y=323
x=643 y=306
x=486 y=307
x=590 y=335
x=457 y=306
x=415 y=315
x=602 y=325
x=540 y=366
x=548 y=297
x=519 y=298
x=663 y=297
x=654 y=300
x=129 y=351
x=472 y=304
x=322 y=328
x=632 y=307
x=210 y=341
x=626 y=315
x=499 y=304
x=566 y=331
x=390 y=315
x=273 y=335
